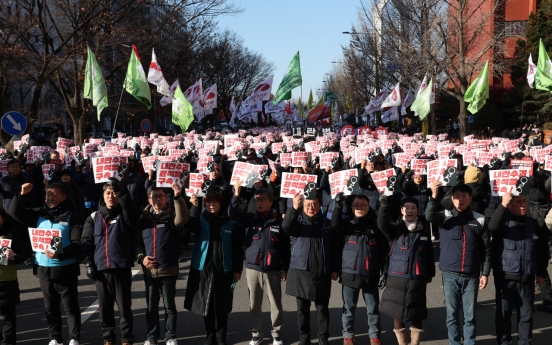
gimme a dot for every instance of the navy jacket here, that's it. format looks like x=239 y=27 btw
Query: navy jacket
x=267 y=246
x=519 y=246
x=465 y=246
x=110 y=236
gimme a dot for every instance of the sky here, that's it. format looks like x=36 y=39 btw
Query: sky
x=280 y=28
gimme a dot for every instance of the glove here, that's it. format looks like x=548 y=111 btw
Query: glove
x=339 y=198
x=382 y=281
x=91 y=271
x=115 y=184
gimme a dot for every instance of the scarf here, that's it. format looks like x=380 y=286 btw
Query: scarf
x=411 y=226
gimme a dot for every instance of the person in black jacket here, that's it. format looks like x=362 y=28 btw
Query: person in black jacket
x=10 y=185
x=57 y=272
x=480 y=199
x=519 y=255
x=315 y=262
x=411 y=268
x=135 y=185
x=109 y=241
x=267 y=255
x=9 y=286
x=364 y=251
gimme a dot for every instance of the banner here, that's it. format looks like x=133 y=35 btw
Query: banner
x=169 y=173
x=506 y=181
x=522 y=164
x=295 y=183
x=339 y=182
x=106 y=167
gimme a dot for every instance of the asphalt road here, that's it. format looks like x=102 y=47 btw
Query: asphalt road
x=32 y=326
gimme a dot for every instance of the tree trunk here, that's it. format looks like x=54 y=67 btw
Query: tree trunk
x=79 y=122
x=433 y=120
x=463 y=118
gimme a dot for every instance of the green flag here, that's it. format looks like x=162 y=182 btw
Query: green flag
x=543 y=76
x=94 y=83
x=135 y=82
x=348 y=101
x=478 y=91
x=332 y=114
x=320 y=102
x=422 y=103
x=287 y=96
x=291 y=79
x=300 y=108
x=309 y=103
x=182 y=110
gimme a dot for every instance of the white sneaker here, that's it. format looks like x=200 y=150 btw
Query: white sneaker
x=54 y=342
x=277 y=341
x=150 y=343
x=171 y=342
x=74 y=342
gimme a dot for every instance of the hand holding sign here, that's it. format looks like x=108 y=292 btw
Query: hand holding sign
x=297 y=200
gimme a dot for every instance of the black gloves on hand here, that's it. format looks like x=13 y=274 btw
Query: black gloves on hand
x=382 y=281
x=339 y=199
x=91 y=270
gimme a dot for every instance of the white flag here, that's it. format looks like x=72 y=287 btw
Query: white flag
x=155 y=77
x=531 y=72
x=210 y=97
x=375 y=104
x=168 y=99
x=408 y=99
x=390 y=115
x=394 y=99
x=261 y=92
x=233 y=111
x=197 y=95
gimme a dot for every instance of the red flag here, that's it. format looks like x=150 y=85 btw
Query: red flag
x=319 y=113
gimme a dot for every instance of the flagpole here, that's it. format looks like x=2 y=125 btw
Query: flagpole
x=118 y=107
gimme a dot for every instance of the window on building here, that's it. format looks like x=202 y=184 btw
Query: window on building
x=514 y=28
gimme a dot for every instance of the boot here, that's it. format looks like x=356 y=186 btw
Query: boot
x=415 y=335
x=401 y=335
x=210 y=339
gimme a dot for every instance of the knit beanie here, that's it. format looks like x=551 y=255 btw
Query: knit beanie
x=472 y=175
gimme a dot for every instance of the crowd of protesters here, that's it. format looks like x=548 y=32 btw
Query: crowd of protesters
x=367 y=240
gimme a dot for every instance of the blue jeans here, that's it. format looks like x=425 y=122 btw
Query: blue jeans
x=460 y=294
x=167 y=285
x=350 y=299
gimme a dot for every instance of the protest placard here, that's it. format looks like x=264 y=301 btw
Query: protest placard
x=419 y=166
x=437 y=171
x=484 y=158
x=548 y=163
x=46 y=239
x=339 y=181
x=48 y=171
x=506 y=181
x=195 y=184
x=4 y=168
x=328 y=159
x=522 y=164
x=169 y=173
x=106 y=167
x=294 y=183
x=274 y=166
x=5 y=244
x=285 y=159
x=469 y=157
x=401 y=159
x=247 y=173
x=149 y=163
x=380 y=179
x=202 y=163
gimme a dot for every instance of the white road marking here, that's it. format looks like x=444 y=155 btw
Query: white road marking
x=85 y=315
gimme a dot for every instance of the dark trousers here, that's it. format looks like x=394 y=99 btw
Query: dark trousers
x=114 y=286
x=511 y=294
x=66 y=292
x=215 y=324
x=167 y=286
x=303 y=318
x=8 y=325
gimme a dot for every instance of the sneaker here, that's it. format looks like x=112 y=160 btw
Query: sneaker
x=151 y=343
x=54 y=342
x=375 y=341
x=277 y=341
x=348 y=341
x=170 y=342
x=256 y=341
x=74 y=342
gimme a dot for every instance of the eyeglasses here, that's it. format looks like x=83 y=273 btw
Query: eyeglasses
x=261 y=200
x=157 y=197
x=359 y=205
